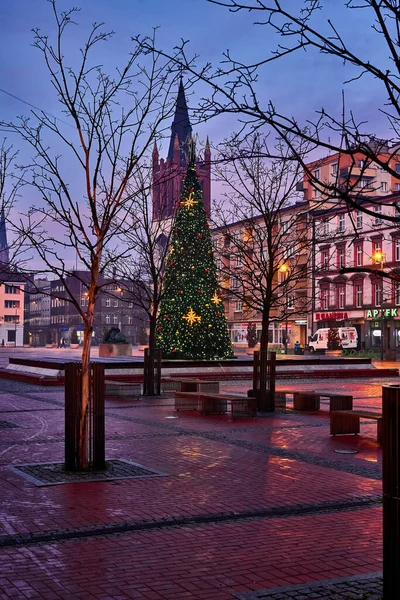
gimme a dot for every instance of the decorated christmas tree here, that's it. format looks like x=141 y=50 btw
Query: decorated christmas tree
x=192 y=322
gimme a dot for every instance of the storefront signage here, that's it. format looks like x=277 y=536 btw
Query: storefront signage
x=382 y=313
x=338 y=316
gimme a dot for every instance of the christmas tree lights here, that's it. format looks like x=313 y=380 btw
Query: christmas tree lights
x=191 y=323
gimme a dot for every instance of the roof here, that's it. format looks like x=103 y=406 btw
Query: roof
x=181 y=127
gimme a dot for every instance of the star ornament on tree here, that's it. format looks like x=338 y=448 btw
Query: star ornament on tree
x=190 y=201
x=216 y=299
x=191 y=317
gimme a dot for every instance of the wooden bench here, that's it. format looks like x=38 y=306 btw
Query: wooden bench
x=348 y=421
x=216 y=404
x=312 y=401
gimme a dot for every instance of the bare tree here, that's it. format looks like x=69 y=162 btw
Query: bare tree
x=83 y=189
x=302 y=26
x=143 y=271
x=10 y=187
x=265 y=239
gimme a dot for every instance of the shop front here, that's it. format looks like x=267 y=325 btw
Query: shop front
x=383 y=331
x=351 y=318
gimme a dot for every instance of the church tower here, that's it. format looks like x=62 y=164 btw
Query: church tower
x=4 y=252
x=169 y=173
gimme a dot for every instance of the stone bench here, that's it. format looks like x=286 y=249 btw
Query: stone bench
x=189 y=385
x=216 y=404
x=348 y=421
x=122 y=389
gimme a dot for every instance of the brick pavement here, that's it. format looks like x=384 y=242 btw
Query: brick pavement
x=245 y=507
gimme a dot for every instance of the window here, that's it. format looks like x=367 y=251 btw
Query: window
x=130 y=320
x=130 y=304
x=11 y=318
x=235 y=283
x=334 y=169
x=108 y=301
x=340 y=296
x=83 y=301
x=11 y=289
x=238 y=306
x=359 y=219
x=340 y=258
x=237 y=260
x=316 y=191
x=11 y=337
x=358 y=255
x=358 y=295
x=376 y=247
x=115 y=319
x=11 y=303
x=326 y=227
x=397 y=250
x=378 y=211
x=397 y=167
x=361 y=164
x=364 y=183
x=397 y=294
x=325 y=260
x=378 y=294
x=397 y=187
x=341 y=223
x=115 y=303
x=107 y=319
x=324 y=298
x=290 y=302
x=384 y=186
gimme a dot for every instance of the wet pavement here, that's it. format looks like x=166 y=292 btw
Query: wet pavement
x=255 y=508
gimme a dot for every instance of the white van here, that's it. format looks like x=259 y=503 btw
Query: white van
x=348 y=339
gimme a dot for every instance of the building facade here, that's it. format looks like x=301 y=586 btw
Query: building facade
x=50 y=317
x=366 y=246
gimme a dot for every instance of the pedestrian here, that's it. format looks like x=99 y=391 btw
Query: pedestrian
x=297 y=348
x=2 y=343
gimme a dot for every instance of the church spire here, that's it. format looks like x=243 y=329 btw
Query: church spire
x=180 y=127
x=4 y=253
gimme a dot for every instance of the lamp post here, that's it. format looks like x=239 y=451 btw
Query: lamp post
x=379 y=257
x=285 y=270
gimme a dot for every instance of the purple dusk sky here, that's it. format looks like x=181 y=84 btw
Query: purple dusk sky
x=298 y=85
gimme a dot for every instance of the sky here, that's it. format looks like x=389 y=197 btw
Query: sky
x=298 y=85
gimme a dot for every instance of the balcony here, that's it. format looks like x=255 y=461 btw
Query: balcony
x=302 y=186
x=353 y=171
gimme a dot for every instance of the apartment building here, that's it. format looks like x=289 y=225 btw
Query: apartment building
x=12 y=286
x=243 y=263
x=364 y=299
x=50 y=316
x=354 y=173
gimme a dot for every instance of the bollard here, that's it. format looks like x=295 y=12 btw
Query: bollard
x=391 y=490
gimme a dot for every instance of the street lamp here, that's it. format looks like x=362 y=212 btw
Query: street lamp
x=285 y=269
x=379 y=257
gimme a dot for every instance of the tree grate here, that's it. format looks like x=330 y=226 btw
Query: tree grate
x=43 y=474
x=356 y=587
x=7 y=425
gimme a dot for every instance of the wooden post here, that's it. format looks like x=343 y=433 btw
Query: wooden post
x=391 y=490
x=96 y=419
x=98 y=424
x=72 y=393
x=158 y=372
